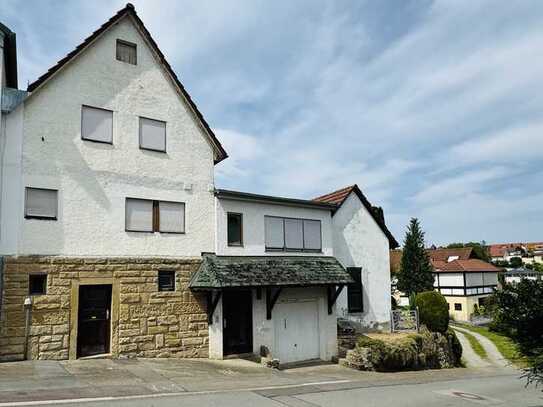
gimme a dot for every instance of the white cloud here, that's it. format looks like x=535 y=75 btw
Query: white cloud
x=516 y=144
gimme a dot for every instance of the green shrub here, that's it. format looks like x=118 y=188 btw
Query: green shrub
x=433 y=311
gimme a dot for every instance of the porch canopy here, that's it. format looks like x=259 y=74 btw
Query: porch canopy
x=271 y=273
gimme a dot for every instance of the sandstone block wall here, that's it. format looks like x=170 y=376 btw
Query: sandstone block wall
x=145 y=322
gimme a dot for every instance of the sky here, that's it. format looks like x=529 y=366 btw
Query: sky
x=434 y=108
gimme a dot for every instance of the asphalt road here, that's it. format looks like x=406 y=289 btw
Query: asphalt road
x=501 y=390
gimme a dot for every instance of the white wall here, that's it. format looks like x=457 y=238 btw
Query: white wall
x=264 y=331
x=360 y=242
x=254 y=240
x=94 y=179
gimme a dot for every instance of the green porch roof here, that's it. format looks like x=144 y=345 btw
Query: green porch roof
x=218 y=272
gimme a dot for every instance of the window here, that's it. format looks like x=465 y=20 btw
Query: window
x=457 y=306
x=145 y=215
x=152 y=135
x=96 y=124
x=355 y=301
x=127 y=52
x=166 y=280
x=41 y=203
x=37 y=284
x=235 y=229
x=289 y=234
x=171 y=217
x=448 y=306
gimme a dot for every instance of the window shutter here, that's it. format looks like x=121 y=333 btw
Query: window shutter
x=152 y=134
x=41 y=203
x=126 y=52
x=312 y=235
x=294 y=234
x=171 y=217
x=274 y=233
x=139 y=215
x=355 y=300
x=97 y=124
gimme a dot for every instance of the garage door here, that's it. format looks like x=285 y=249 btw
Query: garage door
x=296 y=326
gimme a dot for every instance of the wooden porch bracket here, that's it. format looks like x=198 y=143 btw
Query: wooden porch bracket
x=271 y=299
x=212 y=302
x=333 y=293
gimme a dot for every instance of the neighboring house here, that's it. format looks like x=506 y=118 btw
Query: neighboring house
x=463 y=280
x=529 y=252
x=112 y=231
x=514 y=276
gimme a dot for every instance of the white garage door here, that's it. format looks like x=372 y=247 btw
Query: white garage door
x=296 y=326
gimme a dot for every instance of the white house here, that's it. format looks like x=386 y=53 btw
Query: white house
x=114 y=236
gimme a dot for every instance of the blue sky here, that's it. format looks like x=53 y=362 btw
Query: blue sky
x=435 y=109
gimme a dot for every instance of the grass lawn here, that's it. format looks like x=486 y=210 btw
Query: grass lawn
x=507 y=347
x=476 y=345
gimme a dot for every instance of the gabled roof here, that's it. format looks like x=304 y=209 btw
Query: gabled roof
x=218 y=272
x=129 y=10
x=463 y=253
x=338 y=197
x=439 y=258
x=468 y=266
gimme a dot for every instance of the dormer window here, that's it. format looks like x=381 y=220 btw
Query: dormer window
x=127 y=52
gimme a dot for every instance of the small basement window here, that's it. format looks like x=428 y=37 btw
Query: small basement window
x=127 y=52
x=97 y=124
x=41 y=203
x=152 y=135
x=37 y=284
x=457 y=306
x=235 y=229
x=166 y=280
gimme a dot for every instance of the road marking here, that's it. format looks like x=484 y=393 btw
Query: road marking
x=160 y=395
x=474 y=398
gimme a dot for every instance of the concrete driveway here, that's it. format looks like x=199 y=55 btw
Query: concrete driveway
x=104 y=380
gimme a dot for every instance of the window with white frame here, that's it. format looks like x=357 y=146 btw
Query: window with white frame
x=292 y=234
x=152 y=135
x=41 y=203
x=145 y=215
x=96 y=124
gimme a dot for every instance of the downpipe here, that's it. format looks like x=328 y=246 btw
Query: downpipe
x=28 y=316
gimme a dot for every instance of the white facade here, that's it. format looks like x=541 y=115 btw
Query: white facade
x=94 y=179
x=254 y=230
x=360 y=242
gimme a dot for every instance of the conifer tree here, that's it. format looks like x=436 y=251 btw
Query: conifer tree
x=415 y=273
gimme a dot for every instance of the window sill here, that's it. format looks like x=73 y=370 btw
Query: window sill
x=40 y=217
x=268 y=250
x=109 y=143
x=235 y=245
x=152 y=149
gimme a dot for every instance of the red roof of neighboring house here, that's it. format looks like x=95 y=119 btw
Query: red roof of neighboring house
x=441 y=265
x=130 y=10
x=501 y=249
x=339 y=196
x=468 y=266
x=462 y=253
